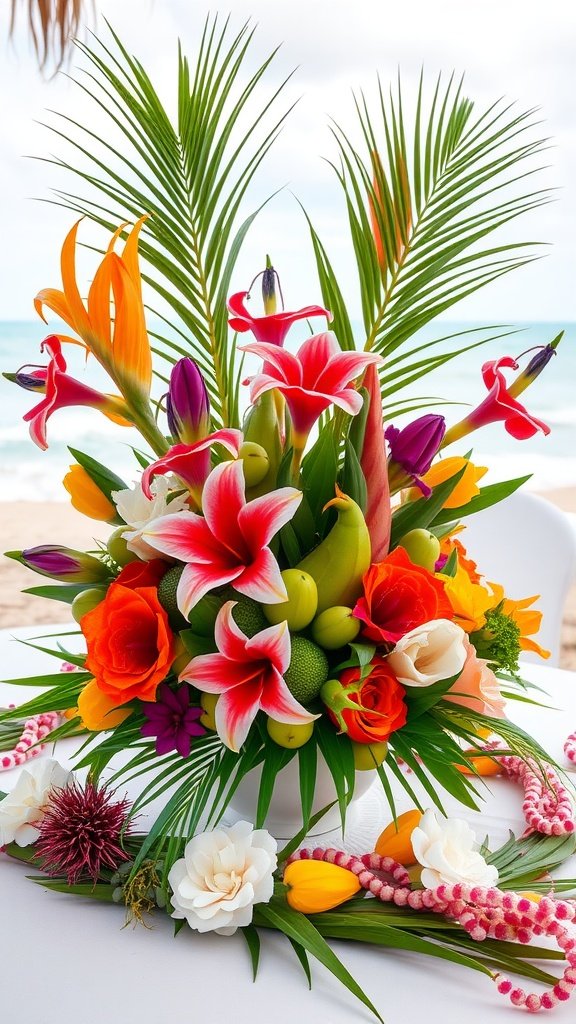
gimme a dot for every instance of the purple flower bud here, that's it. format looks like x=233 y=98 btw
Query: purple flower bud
x=539 y=361
x=30 y=378
x=187 y=403
x=62 y=564
x=413 y=448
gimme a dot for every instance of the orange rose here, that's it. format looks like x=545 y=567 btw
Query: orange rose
x=398 y=596
x=381 y=695
x=130 y=644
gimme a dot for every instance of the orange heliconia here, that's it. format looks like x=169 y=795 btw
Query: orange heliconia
x=396 y=839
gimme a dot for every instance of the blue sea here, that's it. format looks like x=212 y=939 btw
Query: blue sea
x=28 y=474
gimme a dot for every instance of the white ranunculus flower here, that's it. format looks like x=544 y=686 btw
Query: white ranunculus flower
x=431 y=652
x=137 y=511
x=222 y=875
x=23 y=809
x=446 y=852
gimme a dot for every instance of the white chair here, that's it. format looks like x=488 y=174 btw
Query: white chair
x=529 y=546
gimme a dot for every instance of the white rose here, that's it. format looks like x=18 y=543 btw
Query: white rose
x=446 y=852
x=431 y=652
x=23 y=809
x=222 y=875
x=137 y=511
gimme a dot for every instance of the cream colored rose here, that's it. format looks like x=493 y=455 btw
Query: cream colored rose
x=137 y=511
x=431 y=652
x=446 y=852
x=221 y=876
x=23 y=809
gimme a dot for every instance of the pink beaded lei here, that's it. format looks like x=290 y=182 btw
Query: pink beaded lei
x=30 y=745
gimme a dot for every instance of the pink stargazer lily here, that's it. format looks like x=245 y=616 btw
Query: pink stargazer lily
x=273 y=328
x=318 y=375
x=229 y=543
x=61 y=390
x=499 y=405
x=248 y=674
x=191 y=462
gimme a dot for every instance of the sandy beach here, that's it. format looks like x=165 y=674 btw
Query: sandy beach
x=25 y=524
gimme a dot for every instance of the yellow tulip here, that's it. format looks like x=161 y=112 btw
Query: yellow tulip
x=465 y=489
x=97 y=711
x=396 y=839
x=86 y=496
x=316 y=886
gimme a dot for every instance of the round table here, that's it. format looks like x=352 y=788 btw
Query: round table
x=64 y=960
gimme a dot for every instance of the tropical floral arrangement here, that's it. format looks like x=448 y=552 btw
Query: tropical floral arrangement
x=288 y=585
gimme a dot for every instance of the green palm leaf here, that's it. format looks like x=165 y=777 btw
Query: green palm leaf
x=191 y=172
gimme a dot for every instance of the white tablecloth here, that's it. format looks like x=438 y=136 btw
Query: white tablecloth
x=64 y=960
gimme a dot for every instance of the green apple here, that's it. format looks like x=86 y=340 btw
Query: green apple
x=86 y=600
x=118 y=548
x=289 y=735
x=335 y=627
x=368 y=756
x=300 y=608
x=422 y=547
x=256 y=462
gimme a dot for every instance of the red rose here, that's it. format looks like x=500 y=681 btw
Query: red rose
x=398 y=596
x=382 y=695
x=142 y=574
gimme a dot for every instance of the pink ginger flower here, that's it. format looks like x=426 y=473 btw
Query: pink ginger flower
x=248 y=673
x=273 y=328
x=318 y=375
x=61 y=390
x=229 y=543
x=191 y=462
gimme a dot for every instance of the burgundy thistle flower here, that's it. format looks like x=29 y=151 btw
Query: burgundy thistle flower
x=171 y=720
x=80 y=833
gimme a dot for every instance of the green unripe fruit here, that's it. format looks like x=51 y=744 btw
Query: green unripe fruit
x=307 y=671
x=335 y=627
x=368 y=756
x=256 y=462
x=118 y=547
x=208 y=701
x=300 y=608
x=422 y=547
x=289 y=735
x=86 y=600
x=248 y=615
x=167 y=589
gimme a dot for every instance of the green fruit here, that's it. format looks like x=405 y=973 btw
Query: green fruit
x=341 y=559
x=422 y=547
x=248 y=614
x=335 y=627
x=368 y=756
x=86 y=600
x=307 y=671
x=208 y=701
x=256 y=462
x=300 y=608
x=118 y=547
x=289 y=735
x=167 y=589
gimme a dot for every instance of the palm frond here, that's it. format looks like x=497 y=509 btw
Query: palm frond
x=420 y=210
x=191 y=172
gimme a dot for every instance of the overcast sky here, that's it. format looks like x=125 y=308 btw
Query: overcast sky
x=518 y=48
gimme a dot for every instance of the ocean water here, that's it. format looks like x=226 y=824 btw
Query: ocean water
x=28 y=474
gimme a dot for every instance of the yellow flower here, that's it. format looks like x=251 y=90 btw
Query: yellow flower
x=86 y=496
x=316 y=886
x=97 y=711
x=470 y=601
x=465 y=489
x=116 y=335
x=396 y=839
x=527 y=619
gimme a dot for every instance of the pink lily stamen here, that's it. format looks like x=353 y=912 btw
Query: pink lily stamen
x=229 y=543
x=248 y=673
x=61 y=390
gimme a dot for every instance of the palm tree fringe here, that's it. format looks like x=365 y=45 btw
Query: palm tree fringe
x=53 y=25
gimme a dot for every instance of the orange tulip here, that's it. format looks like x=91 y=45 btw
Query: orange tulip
x=482 y=764
x=86 y=496
x=97 y=711
x=396 y=839
x=316 y=886
x=117 y=339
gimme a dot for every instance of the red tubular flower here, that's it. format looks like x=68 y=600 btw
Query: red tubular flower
x=499 y=404
x=62 y=390
x=191 y=462
x=272 y=329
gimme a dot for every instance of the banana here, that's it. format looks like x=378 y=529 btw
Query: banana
x=341 y=559
x=261 y=425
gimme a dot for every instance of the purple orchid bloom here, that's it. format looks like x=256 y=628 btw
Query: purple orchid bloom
x=413 y=449
x=171 y=720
